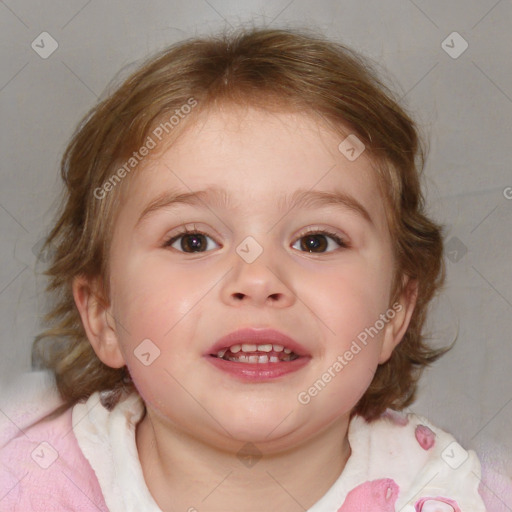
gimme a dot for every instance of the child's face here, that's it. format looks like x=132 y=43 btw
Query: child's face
x=185 y=297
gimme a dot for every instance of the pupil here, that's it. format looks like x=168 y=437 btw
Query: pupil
x=192 y=242
x=313 y=242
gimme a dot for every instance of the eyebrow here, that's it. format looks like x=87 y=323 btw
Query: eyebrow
x=218 y=197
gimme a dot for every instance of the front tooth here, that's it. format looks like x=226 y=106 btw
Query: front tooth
x=278 y=348
x=263 y=359
x=253 y=359
x=235 y=348
x=248 y=348
x=265 y=348
x=221 y=353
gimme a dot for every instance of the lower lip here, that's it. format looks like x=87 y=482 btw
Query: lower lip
x=258 y=372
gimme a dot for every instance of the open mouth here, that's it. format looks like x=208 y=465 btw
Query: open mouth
x=256 y=354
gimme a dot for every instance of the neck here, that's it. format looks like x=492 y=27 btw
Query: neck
x=186 y=473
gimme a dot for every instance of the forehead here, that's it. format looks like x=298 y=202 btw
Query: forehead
x=257 y=157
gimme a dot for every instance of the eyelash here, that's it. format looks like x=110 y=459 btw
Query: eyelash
x=334 y=236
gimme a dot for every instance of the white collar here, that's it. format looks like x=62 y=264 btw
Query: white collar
x=383 y=449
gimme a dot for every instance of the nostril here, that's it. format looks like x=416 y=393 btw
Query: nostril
x=273 y=297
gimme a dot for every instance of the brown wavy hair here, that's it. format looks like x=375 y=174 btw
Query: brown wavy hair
x=273 y=69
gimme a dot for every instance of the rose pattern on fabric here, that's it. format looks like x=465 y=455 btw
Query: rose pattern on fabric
x=375 y=496
x=425 y=437
x=437 y=504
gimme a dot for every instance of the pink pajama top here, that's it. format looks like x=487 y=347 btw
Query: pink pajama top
x=87 y=460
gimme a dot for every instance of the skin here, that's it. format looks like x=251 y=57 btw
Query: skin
x=198 y=418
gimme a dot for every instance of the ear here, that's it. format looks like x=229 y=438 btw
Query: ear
x=95 y=313
x=403 y=308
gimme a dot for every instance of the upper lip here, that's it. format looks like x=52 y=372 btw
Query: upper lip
x=257 y=337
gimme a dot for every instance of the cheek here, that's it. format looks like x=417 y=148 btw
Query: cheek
x=151 y=299
x=349 y=295
x=154 y=295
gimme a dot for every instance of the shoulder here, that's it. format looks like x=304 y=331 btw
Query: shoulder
x=418 y=459
x=43 y=468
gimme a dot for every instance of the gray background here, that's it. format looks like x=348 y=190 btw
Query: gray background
x=464 y=104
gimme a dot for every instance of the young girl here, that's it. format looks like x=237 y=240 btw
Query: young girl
x=242 y=266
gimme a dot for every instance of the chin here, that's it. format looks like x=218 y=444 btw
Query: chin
x=259 y=424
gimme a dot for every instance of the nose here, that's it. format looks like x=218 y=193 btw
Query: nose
x=262 y=282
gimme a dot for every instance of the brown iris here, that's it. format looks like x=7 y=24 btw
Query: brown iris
x=313 y=243
x=193 y=243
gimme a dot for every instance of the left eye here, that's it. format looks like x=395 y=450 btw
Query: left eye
x=191 y=242
x=319 y=242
